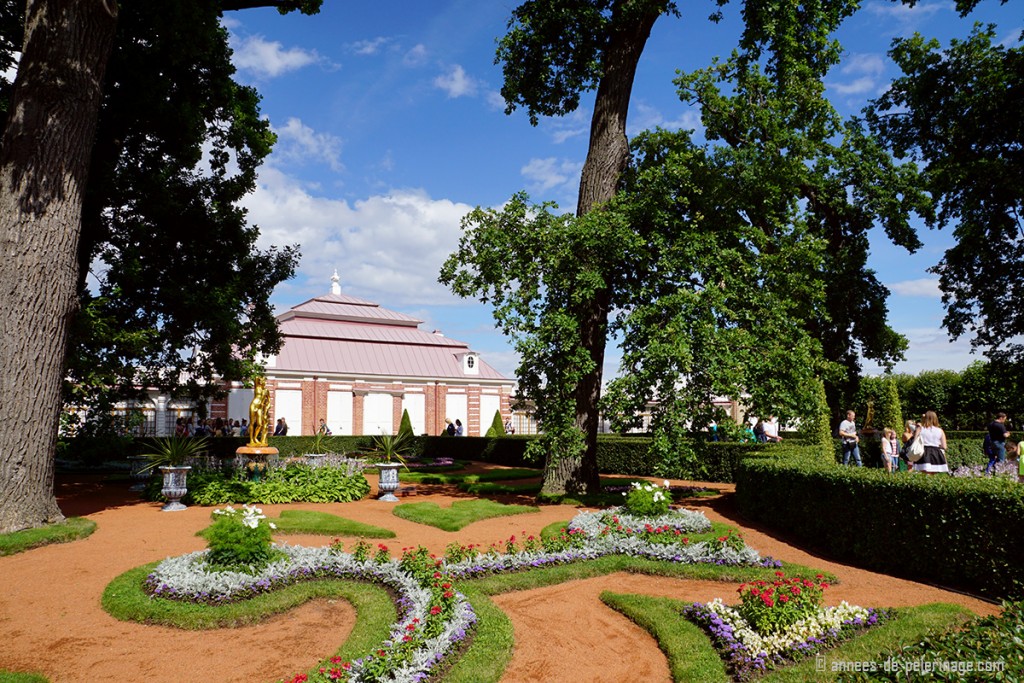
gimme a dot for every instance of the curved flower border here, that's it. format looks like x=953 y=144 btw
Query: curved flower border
x=748 y=653
x=411 y=655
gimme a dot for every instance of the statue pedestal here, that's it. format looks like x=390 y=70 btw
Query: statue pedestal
x=256 y=451
x=256 y=465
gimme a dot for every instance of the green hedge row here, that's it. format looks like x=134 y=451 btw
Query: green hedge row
x=710 y=461
x=934 y=529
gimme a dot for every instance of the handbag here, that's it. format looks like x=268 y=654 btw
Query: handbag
x=916 y=450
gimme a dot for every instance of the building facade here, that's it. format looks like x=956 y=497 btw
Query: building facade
x=358 y=366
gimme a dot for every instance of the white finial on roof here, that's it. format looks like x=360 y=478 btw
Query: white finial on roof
x=335 y=287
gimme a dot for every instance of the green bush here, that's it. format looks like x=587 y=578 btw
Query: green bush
x=985 y=639
x=294 y=483
x=937 y=529
x=648 y=500
x=239 y=540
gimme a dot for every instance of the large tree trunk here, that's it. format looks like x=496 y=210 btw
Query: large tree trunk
x=606 y=160
x=44 y=160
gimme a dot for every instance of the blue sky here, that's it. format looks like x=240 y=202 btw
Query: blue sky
x=391 y=128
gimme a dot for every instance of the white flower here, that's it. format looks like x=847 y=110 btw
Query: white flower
x=272 y=525
x=667 y=484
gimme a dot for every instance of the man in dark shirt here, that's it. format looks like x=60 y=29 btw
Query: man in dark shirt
x=998 y=432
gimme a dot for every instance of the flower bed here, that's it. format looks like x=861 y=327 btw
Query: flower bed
x=778 y=623
x=434 y=619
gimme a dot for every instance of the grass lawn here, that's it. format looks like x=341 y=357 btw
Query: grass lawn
x=462 y=513
x=71 y=529
x=323 y=524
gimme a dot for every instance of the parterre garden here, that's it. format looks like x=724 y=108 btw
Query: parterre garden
x=429 y=616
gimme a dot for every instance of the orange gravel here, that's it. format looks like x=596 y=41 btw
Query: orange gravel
x=52 y=621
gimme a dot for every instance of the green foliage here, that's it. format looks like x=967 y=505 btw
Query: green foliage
x=294 y=483
x=497 y=427
x=932 y=390
x=21 y=677
x=648 y=500
x=325 y=524
x=953 y=110
x=174 y=451
x=239 y=540
x=952 y=531
x=887 y=407
x=461 y=513
x=405 y=426
x=72 y=529
x=392 y=447
x=816 y=427
x=991 y=639
x=177 y=146
x=771 y=607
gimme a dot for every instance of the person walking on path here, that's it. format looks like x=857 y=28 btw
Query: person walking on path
x=851 y=442
x=934 y=441
x=998 y=432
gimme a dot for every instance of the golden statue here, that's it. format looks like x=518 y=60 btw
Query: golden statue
x=259 y=413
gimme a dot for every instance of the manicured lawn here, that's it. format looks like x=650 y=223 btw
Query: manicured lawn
x=72 y=529
x=462 y=513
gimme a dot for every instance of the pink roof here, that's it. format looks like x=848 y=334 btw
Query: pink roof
x=337 y=334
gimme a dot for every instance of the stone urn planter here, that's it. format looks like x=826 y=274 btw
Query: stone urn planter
x=174 y=487
x=388 y=483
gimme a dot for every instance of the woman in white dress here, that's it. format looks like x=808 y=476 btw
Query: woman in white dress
x=934 y=441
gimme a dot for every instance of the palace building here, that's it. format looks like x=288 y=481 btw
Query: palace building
x=358 y=366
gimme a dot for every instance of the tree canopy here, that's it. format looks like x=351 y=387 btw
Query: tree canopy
x=957 y=112
x=172 y=288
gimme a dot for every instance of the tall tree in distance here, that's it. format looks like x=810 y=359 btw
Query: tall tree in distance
x=554 y=51
x=45 y=156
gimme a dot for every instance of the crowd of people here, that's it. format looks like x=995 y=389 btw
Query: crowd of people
x=190 y=426
x=922 y=445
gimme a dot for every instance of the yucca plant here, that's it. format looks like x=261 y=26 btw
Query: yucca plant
x=174 y=451
x=392 y=447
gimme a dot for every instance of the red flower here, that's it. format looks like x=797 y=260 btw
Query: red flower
x=335 y=659
x=449 y=594
x=783 y=598
x=435 y=610
x=780 y=574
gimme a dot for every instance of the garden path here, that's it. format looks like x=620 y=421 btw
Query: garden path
x=53 y=622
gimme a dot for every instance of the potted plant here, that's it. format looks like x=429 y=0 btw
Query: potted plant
x=318 y=449
x=169 y=455
x=390 y=451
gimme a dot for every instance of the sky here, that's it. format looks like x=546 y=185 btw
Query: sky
x=391 y=127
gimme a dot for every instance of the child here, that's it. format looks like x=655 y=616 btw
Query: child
x=890 y=451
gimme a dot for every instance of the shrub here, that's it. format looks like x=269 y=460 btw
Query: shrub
x=771 y=607
x=940 y=529
x=648 y=500
x=497 y=427
x=239 y=540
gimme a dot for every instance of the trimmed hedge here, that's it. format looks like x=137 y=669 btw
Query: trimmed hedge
x=934 y=529
x=713 y=461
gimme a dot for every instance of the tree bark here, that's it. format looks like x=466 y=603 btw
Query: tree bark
x=44 y=161
x=607 y=158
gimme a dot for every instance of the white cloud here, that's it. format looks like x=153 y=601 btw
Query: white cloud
x=416 y=55
x=456 y=82
x=924 y=287
x=865 y=71
x=494 y=100
x=387 y=248
x=297 y=142
x=547 y=174
x=369 y=47
x=931 y=349
x=268 y=59
x=645 y=117
x=562 y=128
x=904 y=12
